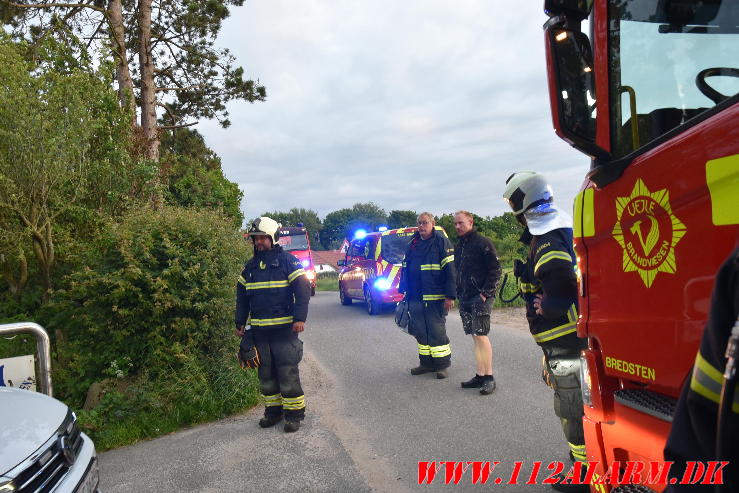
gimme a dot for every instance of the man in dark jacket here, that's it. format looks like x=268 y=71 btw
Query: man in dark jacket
x=478 y=273
x=428 y=280
x=548 y=283
x=272 y=297
x=694 y=425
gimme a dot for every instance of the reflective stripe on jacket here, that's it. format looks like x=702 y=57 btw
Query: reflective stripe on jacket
x=272 y=291
x=550 y=272
x=434 y=269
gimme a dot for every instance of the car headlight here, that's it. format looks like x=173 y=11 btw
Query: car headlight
x=310 y=275
x=382 y=284
x=6 y=486
x=586 y=384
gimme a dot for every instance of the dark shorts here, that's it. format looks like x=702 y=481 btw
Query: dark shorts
x=475 y=316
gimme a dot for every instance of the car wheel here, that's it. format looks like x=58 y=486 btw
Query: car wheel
x=345 y=300
x=373 y=308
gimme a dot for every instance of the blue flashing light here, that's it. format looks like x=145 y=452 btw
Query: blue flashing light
x=382 y=284
x=360 y=234
x=382 y=228
x=305 y=262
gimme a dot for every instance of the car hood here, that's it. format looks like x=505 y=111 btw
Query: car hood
x=27 y=420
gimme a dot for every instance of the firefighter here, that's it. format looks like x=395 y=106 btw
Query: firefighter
x=428 y=279
x=548 y=283
x=694 y=425
x=272 y=296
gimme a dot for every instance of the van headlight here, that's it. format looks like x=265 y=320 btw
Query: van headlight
x=6 y=486
x=586 y=384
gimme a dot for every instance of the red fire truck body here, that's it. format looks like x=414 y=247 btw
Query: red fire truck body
x=659 y=209
x=295 y=240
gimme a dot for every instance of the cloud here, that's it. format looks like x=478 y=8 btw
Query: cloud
x=424 y=105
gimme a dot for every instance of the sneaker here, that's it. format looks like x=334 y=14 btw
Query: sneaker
x=441 y=374
x=420 y=370
x=292 y=426
x=488 y=385
x=268 y=421
x=473 y=383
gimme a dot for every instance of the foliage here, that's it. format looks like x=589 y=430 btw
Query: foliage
x=327 y=283
x=193 y=176
x=308 y=217
x=159 y=291
x=401 y=219
x=164 y=55
x=63 y=151
x=342 y=224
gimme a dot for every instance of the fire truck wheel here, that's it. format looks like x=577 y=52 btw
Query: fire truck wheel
x=345 y=300
x=373 y=308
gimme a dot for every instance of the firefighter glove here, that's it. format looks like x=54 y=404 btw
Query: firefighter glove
x=519 y=268
x=248 y=358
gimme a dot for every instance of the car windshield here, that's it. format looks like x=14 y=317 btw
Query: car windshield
x=669 y=62
x=393 y=247
x=294 y=242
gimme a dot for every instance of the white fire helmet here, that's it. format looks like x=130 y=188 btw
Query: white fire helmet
x=265 y=226
x=526 y=189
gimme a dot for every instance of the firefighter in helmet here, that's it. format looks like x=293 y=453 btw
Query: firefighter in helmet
x=428 y=279
x=272 y=297
x=548 y=284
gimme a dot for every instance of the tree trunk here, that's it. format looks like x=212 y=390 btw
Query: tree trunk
x=122 y=73
x=148 y=90
x=16 y=285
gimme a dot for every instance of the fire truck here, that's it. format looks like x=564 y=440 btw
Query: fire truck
x=295 y=240
x=650 y=91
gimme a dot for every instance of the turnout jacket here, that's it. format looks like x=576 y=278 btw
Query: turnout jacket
x=428 y=272
x=550 y=271
x=272 y=291
x=693 y=433
x=478 y=268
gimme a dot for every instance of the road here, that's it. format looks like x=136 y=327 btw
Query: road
x=369 y=420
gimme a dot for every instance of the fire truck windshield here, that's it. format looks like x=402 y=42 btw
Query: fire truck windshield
x=393 y=247
x=297 y=241
x=658 y=50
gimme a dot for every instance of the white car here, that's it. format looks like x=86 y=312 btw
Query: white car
x=41 y=447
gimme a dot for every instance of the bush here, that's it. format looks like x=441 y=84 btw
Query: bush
x=154 y=307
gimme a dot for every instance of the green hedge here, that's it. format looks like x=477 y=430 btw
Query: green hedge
x=152 y=316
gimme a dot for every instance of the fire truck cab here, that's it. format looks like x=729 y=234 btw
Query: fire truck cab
x=295 y=240
x=651 y=94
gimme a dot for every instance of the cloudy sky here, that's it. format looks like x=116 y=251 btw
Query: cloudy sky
x=414 y=104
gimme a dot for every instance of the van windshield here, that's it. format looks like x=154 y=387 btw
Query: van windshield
x=294 y=242
x=393 y=247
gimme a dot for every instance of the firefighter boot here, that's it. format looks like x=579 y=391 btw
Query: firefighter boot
x=292 y=426
x=270 y=420
x=441 y=374
x=420 y=370
x=473 y=383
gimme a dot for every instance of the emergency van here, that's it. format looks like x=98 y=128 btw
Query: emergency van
x=371 y=270
x=296 y=241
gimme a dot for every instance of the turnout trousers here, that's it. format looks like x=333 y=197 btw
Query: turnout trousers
x=280 y=351
x=562 y=373
x=428 y=325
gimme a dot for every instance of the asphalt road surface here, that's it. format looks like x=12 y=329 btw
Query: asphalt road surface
x=369 y=421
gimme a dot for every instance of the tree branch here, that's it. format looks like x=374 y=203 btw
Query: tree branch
x=169 y=127
x=48 y=5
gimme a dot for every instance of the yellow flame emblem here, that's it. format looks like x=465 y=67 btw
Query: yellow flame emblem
x=647 y=231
